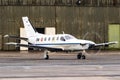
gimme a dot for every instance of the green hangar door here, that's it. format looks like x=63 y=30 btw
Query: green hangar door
x=114 y=34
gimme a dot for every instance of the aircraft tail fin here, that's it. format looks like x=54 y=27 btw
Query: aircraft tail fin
x=30 y=31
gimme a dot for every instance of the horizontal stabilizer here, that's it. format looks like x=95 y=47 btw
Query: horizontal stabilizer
x=11 y=43
x=17 y=44
x=16 y=37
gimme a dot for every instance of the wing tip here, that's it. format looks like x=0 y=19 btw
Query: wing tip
x=11 y=43
x=5 y=36
x=114 y=42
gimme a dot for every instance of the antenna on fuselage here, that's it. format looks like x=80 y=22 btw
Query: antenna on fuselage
x=63 y=32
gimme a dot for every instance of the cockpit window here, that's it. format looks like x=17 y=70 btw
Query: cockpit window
x=62 y=38
x=68 y=37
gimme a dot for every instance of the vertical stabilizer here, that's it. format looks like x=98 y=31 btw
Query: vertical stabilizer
x=30 y=32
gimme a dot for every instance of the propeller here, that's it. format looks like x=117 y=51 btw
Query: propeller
x=95 y=37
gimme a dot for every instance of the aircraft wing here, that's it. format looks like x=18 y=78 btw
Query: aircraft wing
x=16 y=37
x=33 y=46
x=105 y=44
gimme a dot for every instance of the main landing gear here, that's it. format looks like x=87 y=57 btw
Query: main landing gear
x=81 y=56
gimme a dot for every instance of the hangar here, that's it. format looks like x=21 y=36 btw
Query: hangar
x=97 y=20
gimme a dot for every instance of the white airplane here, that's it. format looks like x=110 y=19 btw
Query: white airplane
x=58 y=42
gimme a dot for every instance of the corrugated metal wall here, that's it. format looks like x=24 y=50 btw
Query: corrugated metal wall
x=61 y=2
x=89 y=22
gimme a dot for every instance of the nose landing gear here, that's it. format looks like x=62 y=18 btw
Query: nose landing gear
x=46 y=56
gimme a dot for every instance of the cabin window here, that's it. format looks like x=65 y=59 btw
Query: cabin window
x=49 y=39
x=37 y=39
x=41 y=39
x=57 y=38
x=45 y=39
x=53 y=38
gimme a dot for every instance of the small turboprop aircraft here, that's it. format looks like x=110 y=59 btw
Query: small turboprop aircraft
x=58 y=42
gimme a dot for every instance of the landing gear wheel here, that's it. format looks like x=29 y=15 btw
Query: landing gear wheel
x=79 y=56
x=83 y=57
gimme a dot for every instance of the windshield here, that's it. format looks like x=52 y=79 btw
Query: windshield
x=68 y=37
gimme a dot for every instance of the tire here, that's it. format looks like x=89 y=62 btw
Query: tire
x=83 y=57
x=79 y=56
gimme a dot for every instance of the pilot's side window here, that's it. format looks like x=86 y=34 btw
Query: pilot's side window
x=62 y=39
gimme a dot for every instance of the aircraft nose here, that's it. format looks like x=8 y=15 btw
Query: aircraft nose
x=91 y=46
x=91 y=42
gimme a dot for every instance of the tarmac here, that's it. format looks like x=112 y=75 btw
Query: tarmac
x=24 y=65
x=65 y=78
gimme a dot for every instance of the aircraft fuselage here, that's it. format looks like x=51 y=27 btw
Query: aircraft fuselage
x=60 y=41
